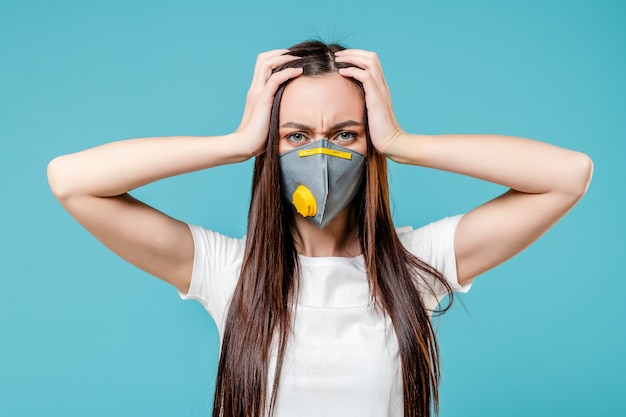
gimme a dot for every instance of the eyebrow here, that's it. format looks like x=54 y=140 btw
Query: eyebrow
x=341 y=125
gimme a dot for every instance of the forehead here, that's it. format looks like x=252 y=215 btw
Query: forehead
x=328 y=97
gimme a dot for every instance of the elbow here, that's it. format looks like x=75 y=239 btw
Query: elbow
x=58 y=178
x=580 y=177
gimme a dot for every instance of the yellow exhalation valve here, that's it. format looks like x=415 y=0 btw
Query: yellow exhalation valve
x=304 y=201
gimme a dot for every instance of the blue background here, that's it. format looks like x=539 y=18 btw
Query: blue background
x=84 y=333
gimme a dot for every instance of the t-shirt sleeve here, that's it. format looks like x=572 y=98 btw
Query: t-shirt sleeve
x=434 y=244
x=216 y=266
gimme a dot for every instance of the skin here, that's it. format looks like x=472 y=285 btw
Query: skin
x=312 y=108
x=544 y=181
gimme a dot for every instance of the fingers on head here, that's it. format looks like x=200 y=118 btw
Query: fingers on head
x=273 y=59
x=266 y=64
x=356 y=73
x=268 y=54
x=369 y=61
x=281 y=76
x=268 y=90
x=357 y=53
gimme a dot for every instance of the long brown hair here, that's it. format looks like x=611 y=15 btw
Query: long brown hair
x=259 y=320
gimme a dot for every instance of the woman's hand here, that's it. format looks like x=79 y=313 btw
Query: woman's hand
x=383 y=126
x=253 y=130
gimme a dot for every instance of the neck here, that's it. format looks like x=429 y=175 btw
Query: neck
x=338 y=238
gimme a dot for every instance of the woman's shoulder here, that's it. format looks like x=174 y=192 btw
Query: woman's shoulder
x=429 y=233
x=216 y=244
x=217 y=260
x=433 y=243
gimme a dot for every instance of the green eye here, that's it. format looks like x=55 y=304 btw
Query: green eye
x=346 y=136
x=296 y=137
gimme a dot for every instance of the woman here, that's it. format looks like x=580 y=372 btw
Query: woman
x=324 y=308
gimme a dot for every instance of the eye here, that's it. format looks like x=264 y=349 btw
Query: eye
x=345 y=136
x=296 y=138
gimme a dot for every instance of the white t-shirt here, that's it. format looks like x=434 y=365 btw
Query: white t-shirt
x=342 y=358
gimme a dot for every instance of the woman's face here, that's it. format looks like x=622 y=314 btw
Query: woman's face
x=328 y=106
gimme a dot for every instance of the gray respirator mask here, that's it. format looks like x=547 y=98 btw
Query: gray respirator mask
x=320 y=179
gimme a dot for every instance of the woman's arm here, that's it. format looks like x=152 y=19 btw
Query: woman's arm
x=545 y=181
x=93 y=185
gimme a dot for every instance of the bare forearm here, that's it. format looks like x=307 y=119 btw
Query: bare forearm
x=521 y=164
x=117 y=167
